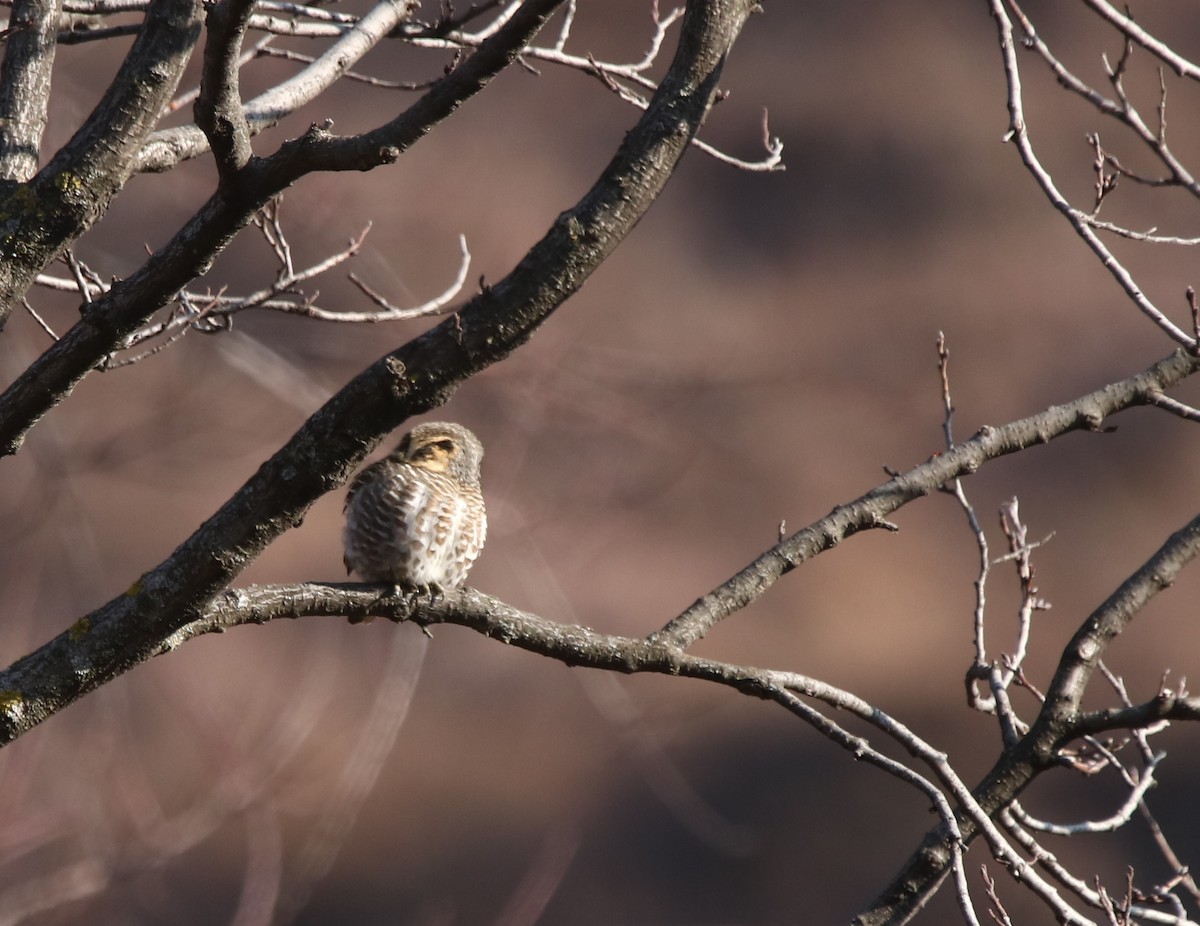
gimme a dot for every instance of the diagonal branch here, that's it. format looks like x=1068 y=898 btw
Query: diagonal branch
x=110 y=320
x=1086 y=413
x=1180 y=65
x=412 y=379
x=1019 y=133
x=1059 y=718
x=38 y=219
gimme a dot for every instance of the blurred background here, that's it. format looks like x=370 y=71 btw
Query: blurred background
x=757 y=351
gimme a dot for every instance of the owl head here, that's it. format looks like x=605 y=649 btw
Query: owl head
x=442 y=447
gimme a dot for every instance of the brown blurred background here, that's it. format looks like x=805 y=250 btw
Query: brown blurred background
x=757 y=351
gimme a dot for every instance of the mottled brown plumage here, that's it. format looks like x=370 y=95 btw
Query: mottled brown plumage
x=416 y=518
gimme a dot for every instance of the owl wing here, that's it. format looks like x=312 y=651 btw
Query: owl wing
x=357 y=483
x=367 y=477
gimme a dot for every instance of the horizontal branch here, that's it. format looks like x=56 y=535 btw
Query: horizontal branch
x=578 y=646
x=1165 y=706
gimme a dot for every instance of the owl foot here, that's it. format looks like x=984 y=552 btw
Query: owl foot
x=413 y=594
x=435 y=593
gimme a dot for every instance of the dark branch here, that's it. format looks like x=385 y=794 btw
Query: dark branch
x=218 y=109
x=410 y=380
x=167 y=147
x=1167 y=706
x=1058 y=722
x=112 y=318
x=1059 y=718
x=71 y=192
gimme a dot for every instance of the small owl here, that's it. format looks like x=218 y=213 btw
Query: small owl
x=416 y=518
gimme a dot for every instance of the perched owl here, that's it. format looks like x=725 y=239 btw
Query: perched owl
x=416 y=518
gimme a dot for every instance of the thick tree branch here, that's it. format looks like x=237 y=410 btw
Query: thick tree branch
x=1059 y=717
x=70 y=193
x=25 y=85
x=575 y=645
x=218 y=109
x=1058 y=722
x=1166 y=706
x=111 y=319
x=410 y=380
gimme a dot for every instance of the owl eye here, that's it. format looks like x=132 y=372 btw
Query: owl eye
x=435 y=449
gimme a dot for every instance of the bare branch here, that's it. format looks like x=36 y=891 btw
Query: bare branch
x=1019 y=133
x=436 y=306
x=1175 y=407
x=581 y=646
x=1133 y=31
x=167 y=147
x=265 y=50
x=219 y=106
x=1118 y=819
x=978 y=671
x=131 y=302
x=621 y=78
x=41 y=321
x=1087 y=413
x=1061 y=712
x=1058 y=722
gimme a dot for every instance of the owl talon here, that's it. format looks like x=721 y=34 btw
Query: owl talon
x=413 y=594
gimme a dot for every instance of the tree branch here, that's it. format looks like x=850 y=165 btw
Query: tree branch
x=410 y=380
x=1019 y=133
x=25 y=86
x=167 y=147
x=70 y=193
x=1059 y=718
x=110 y=319
x=1132 y=30
x=1058 y=722
x=1086 y=413
x=1166 y=706
x=218 y=109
